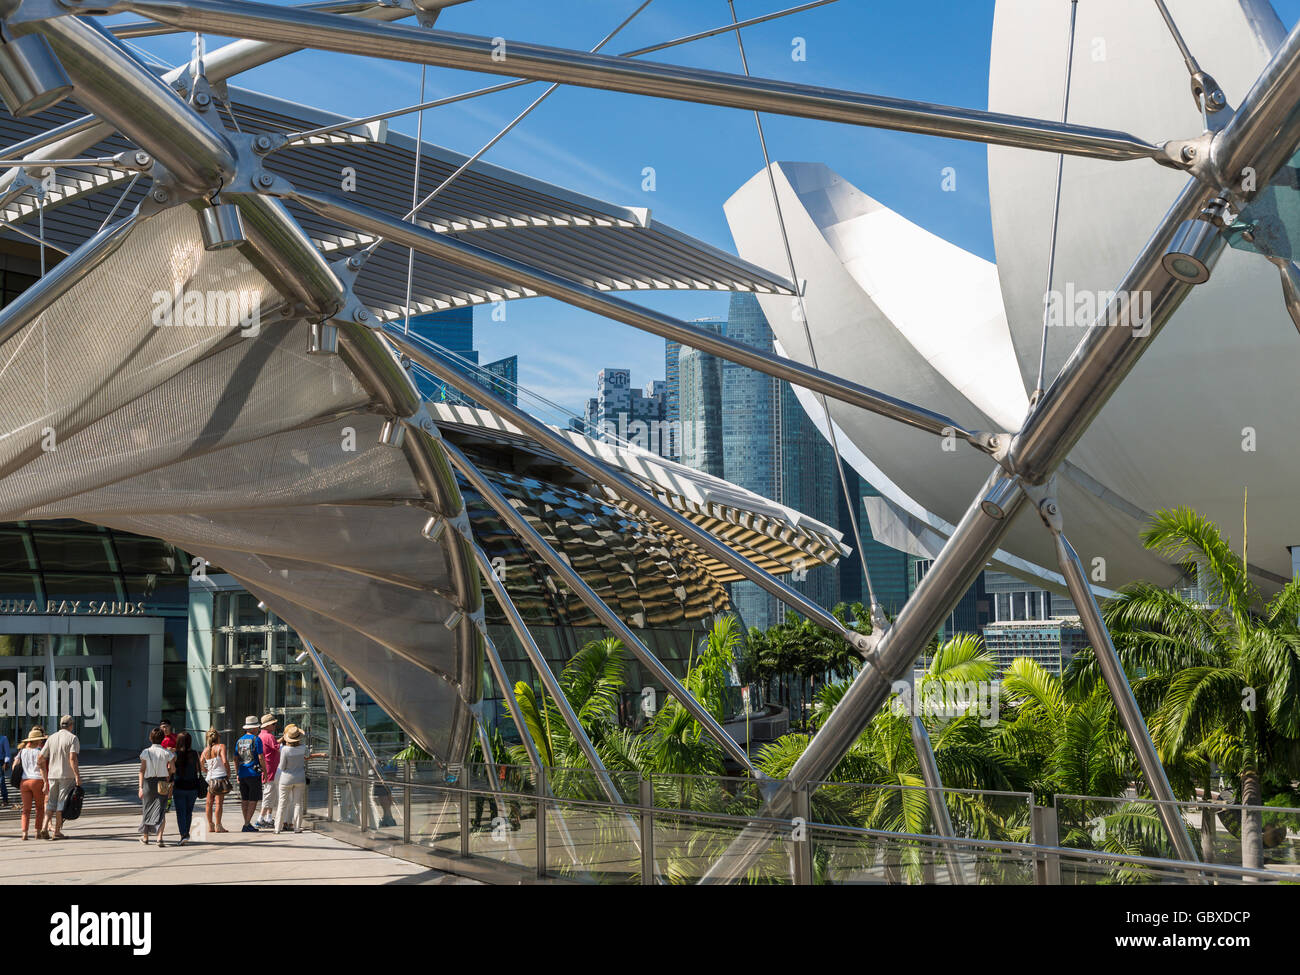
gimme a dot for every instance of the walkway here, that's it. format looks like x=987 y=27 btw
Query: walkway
x=105 y=849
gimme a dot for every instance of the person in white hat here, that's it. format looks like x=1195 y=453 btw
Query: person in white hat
x=292 y=779
x=248 y=753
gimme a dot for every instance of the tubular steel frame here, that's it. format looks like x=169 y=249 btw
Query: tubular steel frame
x=198 y=159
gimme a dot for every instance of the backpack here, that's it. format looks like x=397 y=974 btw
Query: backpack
x=72 y=808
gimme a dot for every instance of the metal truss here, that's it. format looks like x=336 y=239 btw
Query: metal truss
x=199 y=162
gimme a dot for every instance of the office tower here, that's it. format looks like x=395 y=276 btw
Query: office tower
x=699 y=411
x=619 y=412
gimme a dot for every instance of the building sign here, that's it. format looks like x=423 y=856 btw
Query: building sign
x=70 y=607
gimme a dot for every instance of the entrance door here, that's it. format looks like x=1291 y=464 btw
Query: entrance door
x=245 y=698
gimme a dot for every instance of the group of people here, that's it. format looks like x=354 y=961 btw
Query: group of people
x=50 y=771
x=271 y=773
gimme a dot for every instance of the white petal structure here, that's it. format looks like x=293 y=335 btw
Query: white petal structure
x=1208 y=412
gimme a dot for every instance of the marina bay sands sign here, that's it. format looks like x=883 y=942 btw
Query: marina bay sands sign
x=70 y=607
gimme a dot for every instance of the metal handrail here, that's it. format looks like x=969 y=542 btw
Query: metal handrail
x=1031 y=851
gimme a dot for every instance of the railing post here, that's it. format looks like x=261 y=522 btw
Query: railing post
x=406 y=803
x=363 y=801
x=646 y=799
x=1045 y=832
x=541 y=822
x=463 y=811
x=801 y=841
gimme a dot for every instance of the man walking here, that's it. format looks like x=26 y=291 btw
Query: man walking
x=248 y=755
x=270 y=764
x=61 y=768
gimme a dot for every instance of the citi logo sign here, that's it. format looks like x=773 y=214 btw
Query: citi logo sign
x=102 y=929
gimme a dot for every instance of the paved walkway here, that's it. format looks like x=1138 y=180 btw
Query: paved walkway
x=106 y=849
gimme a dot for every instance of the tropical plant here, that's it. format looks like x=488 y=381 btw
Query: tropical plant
x=1225 y=671
x=885 y=756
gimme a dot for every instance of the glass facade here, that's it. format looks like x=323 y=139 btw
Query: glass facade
x=87 y=610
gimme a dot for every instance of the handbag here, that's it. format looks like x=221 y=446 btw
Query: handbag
x=16 y=777
x=164 y=788
x=72 y=808
x=202 y=788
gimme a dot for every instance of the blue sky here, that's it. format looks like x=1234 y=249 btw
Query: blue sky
x=599 y=142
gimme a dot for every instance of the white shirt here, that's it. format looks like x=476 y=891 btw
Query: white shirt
x=31 y=759
x=155 y=759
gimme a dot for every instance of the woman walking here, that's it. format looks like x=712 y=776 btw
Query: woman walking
x=156 y=768
x=185 y=788
x=292 y=776
x=216 y=768
x=33 y=784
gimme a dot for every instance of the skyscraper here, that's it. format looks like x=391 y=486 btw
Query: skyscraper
x=454 y=331
x=620 y=412
x=772 y=448
x=699 y=410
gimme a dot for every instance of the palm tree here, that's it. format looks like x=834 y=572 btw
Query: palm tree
x=1228 y=670
x=884 y=756
x=592 y=681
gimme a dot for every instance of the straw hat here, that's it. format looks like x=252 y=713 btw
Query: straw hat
x=250 y=723
x=36 y=734
x=269 y=719
x=292 y=734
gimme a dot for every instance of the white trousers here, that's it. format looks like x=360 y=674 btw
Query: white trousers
x=290 y=804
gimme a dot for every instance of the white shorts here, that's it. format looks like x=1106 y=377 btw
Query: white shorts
x=270 y=793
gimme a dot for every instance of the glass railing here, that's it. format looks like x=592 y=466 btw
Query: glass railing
x=1134 y=826
x=511 y=824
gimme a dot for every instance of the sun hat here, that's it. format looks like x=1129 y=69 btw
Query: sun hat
x=292 y=734
x=36 y=734
x=250 y=723
x=269 y=719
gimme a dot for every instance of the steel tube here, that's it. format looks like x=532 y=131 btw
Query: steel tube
x=544 y=672
x=75 y=137
x=24 y=309
x=1130 y=715
x=1106 y=353
x=1263 y=133
x=512 y=705
x=533 y=540
x=962 y=559
x=472 y=257
x=469 y=53
x=345 y=716
x=934 y=792
x=118 y=88
x=625 y=488
x=150 y=28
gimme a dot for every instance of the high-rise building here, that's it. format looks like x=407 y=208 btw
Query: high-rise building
x=767 y=445
x=699 y=407
x=620 y=412
x=453 y=329
x=892 y=571
x=1031 y=622
x=672 y=386
x=507 y=385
